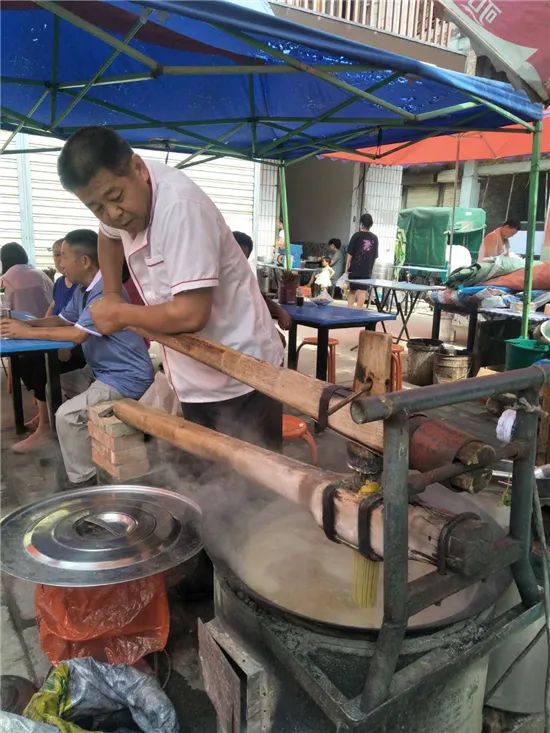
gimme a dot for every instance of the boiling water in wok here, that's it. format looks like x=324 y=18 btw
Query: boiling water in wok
x=281 y=555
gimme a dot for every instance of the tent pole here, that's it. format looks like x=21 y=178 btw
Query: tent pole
x=284 y=212
x=102 y=69
x=531 y=227
x=93 y=30
x=55 y=68
x=453 y=212
x=25 y=120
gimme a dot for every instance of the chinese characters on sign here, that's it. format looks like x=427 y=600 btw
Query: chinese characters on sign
x=484 y=11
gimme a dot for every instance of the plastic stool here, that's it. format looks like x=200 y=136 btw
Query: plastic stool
x=396 y=378
x=295 y=428
x=332 y=344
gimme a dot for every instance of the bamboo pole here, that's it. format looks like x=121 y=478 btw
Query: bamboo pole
x=300 y=391
x=297 y=481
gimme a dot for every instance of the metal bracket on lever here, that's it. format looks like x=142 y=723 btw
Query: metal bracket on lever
x=325 y=411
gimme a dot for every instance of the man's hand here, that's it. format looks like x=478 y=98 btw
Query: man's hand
x=12 y=329
x=283 y=319
x=106 y=315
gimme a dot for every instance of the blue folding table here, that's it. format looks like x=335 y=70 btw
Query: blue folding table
x=14 y=348
x=326 y=318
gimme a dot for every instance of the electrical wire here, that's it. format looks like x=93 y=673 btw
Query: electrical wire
x=539 y=527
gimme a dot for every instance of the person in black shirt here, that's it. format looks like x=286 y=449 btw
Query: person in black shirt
x=362 y=253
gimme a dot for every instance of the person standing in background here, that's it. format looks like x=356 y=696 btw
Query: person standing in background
x=362 y=254
x=337 y=262
x=497 y=242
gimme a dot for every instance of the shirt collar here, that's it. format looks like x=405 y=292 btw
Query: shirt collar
x=94 y=282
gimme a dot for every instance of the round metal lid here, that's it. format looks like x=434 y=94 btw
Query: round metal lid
x=99 y=536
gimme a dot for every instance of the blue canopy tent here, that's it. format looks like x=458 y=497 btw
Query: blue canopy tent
x=213 y=78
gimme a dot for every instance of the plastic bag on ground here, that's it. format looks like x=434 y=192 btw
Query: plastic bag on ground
x=162 y=396
x=119 y=623
x=11 y=723
x=88 y=692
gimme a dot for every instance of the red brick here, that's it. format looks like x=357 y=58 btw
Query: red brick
x=125 y=442
x=119 y=457
x=111 y=425
x=123 y=472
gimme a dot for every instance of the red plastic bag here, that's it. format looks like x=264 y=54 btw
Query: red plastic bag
x=118 y=624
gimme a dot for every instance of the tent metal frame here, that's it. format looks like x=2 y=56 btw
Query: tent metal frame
x=271 y=152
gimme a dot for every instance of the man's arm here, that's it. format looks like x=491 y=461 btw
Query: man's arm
x=276 y=311
x=188 y=312
x=111 y=256
x=348 y=263
x=10 y=328
x=46 y=322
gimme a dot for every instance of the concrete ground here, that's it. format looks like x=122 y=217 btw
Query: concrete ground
x=28 y=478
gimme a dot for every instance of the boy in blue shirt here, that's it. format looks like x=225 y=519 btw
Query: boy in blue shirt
x=120 y=363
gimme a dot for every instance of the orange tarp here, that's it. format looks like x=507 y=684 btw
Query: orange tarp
x=473 y=146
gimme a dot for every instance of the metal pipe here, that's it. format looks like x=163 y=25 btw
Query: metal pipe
x=284 y=212
x=531 y=226
x=523 y=486
x=369 y=409
x=396 y=541
x=419 y=481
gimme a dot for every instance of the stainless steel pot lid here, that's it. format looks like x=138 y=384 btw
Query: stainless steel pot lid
x=100 y=536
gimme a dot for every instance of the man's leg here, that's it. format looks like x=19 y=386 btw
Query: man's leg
x=253 y=417
x=75 y=382
x=361 y=296
x=72 y=430
x=351 y=298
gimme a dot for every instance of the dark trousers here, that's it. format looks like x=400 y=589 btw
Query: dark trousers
x=32 y=369
x=253 y=417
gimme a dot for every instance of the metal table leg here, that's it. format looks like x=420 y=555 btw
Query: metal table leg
x=472 y=328
x=380 y=304
x=436 y=322
x=16 y=396
x=54 y=382
x=405 y=315
x=322 y=353
x=292 y=359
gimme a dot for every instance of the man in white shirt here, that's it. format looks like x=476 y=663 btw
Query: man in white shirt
x=188 y=269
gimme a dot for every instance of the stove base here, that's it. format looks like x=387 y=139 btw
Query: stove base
x=266 y=674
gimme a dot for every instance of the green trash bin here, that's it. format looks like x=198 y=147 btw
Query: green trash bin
x=522 y=353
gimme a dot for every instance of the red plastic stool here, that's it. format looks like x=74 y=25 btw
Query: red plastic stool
x=295 y=428
x=396 y=379
x=332 y=344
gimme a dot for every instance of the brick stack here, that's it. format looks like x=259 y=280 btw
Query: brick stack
x=117 y=448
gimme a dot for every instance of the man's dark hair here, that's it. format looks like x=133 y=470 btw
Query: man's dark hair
x=12 y=254
x=513 y=223
x=86 y=241
x=366 y=221
x=89 y=150
x=245 y=243
x=336 y=242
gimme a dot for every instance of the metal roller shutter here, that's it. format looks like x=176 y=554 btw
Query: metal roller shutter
x=229 y=182
x=9 y=198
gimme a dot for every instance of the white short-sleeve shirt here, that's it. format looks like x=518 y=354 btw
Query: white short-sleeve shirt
x=188 y=245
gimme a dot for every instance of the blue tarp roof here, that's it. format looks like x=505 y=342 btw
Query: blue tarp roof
x=255 y=104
